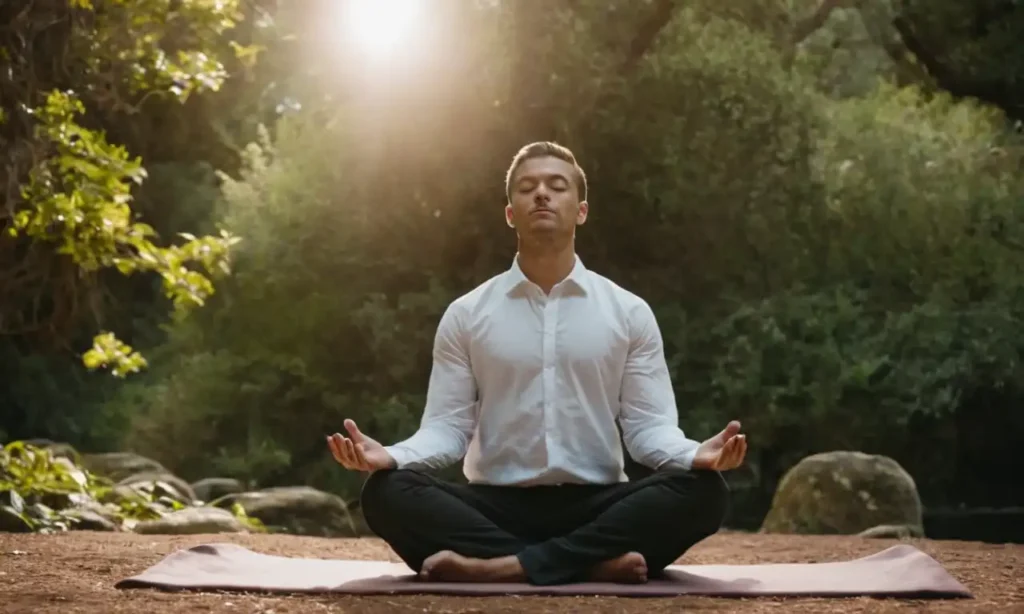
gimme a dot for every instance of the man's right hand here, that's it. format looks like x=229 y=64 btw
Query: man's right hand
x=359 y=452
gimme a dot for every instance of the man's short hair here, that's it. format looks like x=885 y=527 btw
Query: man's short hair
x=544 y=149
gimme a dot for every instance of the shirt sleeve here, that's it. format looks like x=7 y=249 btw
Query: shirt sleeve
x=648 y=415
x=449 y=417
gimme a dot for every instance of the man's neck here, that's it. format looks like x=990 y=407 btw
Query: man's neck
x=547 y=265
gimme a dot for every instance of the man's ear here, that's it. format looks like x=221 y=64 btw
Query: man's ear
x=581 y=212
x=508 y=216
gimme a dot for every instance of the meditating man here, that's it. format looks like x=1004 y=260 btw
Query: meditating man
x=532 y=370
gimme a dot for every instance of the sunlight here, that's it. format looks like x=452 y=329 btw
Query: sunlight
x=381 y=26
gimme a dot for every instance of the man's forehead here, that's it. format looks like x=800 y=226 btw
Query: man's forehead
x=546 y=165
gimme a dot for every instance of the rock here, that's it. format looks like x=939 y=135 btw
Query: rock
x=90 y=520
x=38 y=442
x=161 y=483
x=119 y=495
x=117 y=466
x=209 y=489
x=891 y=531
x=299 y=510
x=844 y=493
x=57 y=449
x=193 y=521
x=94 y=516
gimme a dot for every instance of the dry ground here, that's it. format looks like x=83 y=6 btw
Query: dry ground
x=75 y=573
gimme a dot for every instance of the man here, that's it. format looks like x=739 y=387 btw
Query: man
x=531 y=371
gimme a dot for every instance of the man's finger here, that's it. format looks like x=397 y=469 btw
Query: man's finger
x=339 y=446
x=723 y=456
x=332 y=443
x=730 y=430
x=361 y=456
x=728 y=457
x=347 y=458
x=353 y=430
x=742 y=452
x=736 y=457
x=350 y=453
x=358 y=460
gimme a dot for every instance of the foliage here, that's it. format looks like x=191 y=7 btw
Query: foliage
x=69 y=207
x=44 y=492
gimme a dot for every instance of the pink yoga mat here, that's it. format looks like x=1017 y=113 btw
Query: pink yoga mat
x=899 y=571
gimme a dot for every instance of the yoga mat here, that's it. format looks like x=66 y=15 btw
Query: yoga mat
x=899 y=571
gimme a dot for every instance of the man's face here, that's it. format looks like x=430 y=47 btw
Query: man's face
x=544 y=198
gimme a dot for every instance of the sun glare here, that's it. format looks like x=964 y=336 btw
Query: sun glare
x=382 y=26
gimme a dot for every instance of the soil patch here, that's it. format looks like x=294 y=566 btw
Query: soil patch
x=75 y=573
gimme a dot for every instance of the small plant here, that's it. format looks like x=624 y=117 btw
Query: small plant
x=40 y=491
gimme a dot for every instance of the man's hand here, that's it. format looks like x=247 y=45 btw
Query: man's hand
x=359 y=453
x=724 y=451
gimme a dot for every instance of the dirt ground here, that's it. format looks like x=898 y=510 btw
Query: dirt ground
x=76 y=572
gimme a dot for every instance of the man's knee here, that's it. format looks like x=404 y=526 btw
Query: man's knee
x=712 y=484
x=707 y=496
x=386 y=488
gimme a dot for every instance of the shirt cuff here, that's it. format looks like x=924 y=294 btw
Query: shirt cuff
x=686 y=460
x=402 y=456
x=681 y=461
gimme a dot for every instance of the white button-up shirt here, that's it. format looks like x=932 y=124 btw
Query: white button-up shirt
x=527 y=387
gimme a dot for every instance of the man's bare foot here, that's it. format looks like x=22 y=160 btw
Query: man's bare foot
x=448 y=566
x=630 y=568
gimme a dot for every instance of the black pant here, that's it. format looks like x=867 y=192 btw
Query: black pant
x=558 y=532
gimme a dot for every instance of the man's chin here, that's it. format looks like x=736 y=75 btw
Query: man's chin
x=544 y=225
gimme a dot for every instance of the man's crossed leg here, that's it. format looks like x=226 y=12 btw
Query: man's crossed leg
x=543 y=534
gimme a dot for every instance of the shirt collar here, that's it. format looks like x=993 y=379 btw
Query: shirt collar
x=577 y=277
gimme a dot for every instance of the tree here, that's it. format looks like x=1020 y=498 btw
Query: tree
x=66 y=216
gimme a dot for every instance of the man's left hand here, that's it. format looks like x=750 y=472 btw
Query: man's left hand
x=724 y=451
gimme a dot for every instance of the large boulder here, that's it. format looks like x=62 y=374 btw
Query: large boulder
x=117 y=466
x=298 y=510
x=209 y=489
x=193 y=521
x=844 y=493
